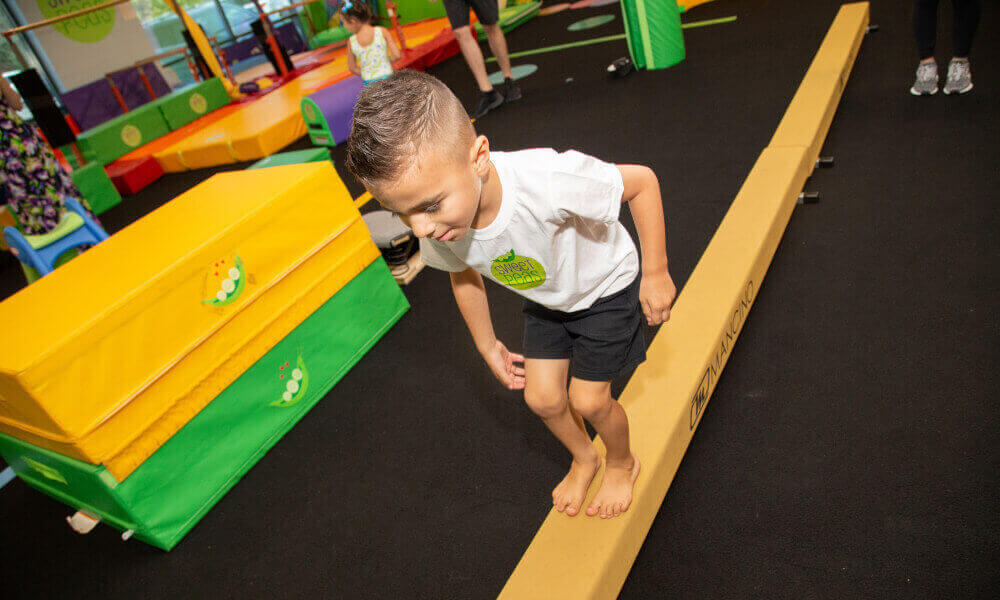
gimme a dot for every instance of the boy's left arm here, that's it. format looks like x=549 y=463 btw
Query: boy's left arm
x=642 y=192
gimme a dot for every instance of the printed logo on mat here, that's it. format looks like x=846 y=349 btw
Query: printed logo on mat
x=45 y=470
x=198 y=103
x=131 y=136
x=296 y=380
x=519 y=272
x=225 y=282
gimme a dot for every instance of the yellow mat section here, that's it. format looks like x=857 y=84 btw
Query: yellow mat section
x=259 y=129
x=583 y=557
x=264 y=126
x=108 y=356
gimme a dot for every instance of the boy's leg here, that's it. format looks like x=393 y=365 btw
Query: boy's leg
x=592 y=399
x=545 y=394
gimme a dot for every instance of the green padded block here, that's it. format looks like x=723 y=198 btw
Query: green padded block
x=176 y=486
x=124 y=133
x=314 y=15
x=96 y=187
x=183 y=106
x=513 y=17
x=292 y=158
x=653 y=32
x=411 y=11
x=330 y=36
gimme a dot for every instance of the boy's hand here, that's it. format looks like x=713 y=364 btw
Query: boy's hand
x=504 y=365
x=656 y=293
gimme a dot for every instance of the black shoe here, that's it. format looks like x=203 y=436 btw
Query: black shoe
x=511 y=91
x=487 y=102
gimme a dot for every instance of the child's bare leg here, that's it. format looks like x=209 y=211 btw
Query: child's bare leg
x=545 y=394
x=592 y=399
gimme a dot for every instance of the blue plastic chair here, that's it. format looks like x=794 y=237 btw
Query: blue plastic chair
x=40 y=253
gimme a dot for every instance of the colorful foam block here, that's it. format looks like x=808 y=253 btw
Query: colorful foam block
x=97 y=189
x=327 y=113
x=173 y=489
x=183 y=106
x=292 y=158
x=329 y=36
x=131 y=175
x=114 y=138
x=512 y=17
x=653 y=32
x=172 y=309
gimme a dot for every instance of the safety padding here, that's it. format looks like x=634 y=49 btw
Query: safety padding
x=172 y=489
x=183 y=106
x=121 y=135
x=807 y=119
x=653 y=33
x=294 y=157
x=96 y=187
x=512 y=17
x=169 y=311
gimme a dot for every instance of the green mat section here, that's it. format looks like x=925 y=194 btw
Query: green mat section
x=183 y=106
x=174 y=488
x=124 y=133
x=96 y=187
x=653 y=30
x=292 y=158
x=330 y=36
x=513 y=17
x=411 y=11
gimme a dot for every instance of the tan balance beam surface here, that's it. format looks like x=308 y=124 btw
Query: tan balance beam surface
x=583 y=557
x=808 y=117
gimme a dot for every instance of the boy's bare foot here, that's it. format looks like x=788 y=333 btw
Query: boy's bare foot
x=615 y=495
x=572 y=490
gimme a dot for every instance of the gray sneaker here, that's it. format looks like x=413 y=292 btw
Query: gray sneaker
x=959 y=77
x=927 y=80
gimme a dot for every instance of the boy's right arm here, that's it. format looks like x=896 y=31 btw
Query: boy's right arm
x=470 y=294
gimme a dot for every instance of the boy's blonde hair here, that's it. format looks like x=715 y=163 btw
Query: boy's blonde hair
x=399 y=118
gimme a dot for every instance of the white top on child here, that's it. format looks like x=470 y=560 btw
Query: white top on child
x=556 y=239
x=373 y=59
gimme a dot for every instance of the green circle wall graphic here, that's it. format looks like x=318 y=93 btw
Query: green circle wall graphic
x=198 y=103
x=131 y=135
x=87 y=29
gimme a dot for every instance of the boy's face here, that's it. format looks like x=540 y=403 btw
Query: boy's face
x=439 y=197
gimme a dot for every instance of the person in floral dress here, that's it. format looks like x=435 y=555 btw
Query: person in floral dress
x=32 y=182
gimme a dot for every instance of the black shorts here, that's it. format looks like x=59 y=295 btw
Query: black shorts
x=487 y=11
x=602 y=341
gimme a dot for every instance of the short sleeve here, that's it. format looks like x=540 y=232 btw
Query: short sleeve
x=437 y=255
x=586 y=187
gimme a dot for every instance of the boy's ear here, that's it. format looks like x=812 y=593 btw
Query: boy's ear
x=480 y=155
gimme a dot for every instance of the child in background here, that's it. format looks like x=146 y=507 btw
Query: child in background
x=370 y=50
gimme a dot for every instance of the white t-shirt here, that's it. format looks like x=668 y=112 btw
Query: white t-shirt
x=556 y=239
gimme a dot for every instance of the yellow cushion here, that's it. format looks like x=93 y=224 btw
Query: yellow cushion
x=114 y=352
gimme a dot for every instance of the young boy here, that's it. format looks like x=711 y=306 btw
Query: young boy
x=545 y=225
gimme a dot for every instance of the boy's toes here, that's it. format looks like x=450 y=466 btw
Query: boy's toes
x=574 y=508
x=593 y=509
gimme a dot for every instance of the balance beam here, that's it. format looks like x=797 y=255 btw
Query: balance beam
x=585 y=557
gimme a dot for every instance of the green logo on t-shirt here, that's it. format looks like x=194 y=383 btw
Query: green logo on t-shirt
x=519 y=272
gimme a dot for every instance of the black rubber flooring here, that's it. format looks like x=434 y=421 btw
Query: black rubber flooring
x=849 y=450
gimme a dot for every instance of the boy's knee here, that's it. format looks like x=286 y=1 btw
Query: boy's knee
x=463 y=32
x=544 y=402
x=592 y=405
